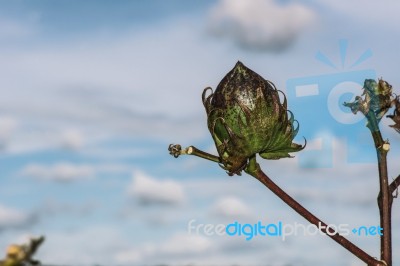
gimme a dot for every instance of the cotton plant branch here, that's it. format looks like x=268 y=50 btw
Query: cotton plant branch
x=385 y=197
x=246 y=117
x=376 y=100
x=394 y=186
x=253 y=169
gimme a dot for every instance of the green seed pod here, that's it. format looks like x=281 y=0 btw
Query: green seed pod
x=246 y=117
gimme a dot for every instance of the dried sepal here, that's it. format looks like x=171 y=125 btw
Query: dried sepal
x=396 y=115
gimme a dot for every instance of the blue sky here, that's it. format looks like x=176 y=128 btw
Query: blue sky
x=93 y=92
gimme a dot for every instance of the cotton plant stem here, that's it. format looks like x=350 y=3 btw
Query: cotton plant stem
x=254 y=170
x=385 y=210
x=385 y=198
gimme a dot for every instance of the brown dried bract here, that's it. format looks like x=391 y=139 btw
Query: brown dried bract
x=396 y=115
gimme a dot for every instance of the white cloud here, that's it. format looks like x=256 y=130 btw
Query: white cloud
x=128 y=256
x=72 y=139
x=113 y=153
x=231 y=207
x=11 y=29
x=10 y=217
x=62 y=171
x=384 y=15
x=54 y=207
x=101 y=87
x=179 y=247
x=182 y=243
x=149 y=190
x=7 y=127
x=259 y=24
x=86 y=246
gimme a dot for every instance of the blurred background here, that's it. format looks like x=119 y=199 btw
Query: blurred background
x=93 y=92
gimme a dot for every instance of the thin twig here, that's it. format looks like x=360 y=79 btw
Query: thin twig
x=394 y=185
x=393 y=188
x=176 y=150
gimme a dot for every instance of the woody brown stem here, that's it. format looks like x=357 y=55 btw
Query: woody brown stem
x=385 y=197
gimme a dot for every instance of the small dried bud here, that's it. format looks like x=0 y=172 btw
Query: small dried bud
x=16 y=252
x=246 y=117
x=377 y=99
x=359 y=105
